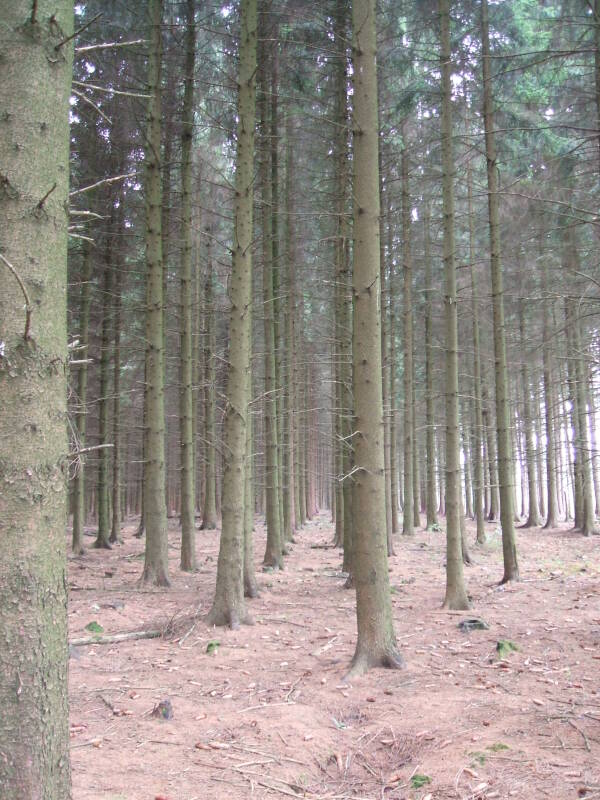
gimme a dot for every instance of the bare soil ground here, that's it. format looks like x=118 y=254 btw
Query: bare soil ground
x=268 y=712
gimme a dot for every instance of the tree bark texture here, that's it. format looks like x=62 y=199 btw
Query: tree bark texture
x=505 y=479
x=376 y=645
x=229 y=606
x=456 y=594
x=35 y=82
x=156 y=563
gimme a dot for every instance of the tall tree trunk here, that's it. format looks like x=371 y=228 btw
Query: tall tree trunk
x=431 y=502
x=549 y=398
x=278 y=324
x=456 y=593
x=289 y=505
x=465 y=438
x=116 y=442
x=36 y=58
x=82 y=382
x=478 y=428
x=509 y=547
x=533 y=516
x=594 y=443
x=539 y=452
x=415 y=450
x=385 y=386
x=376 y=645
x=209 y=507
x=156 y=563
x=580 y=407
x=392 y=374
x=340 y=183
x=273 y=552
x=186 y=403
x=103 y=534
x=407 y=511
x=229 y=606
x=250 y=584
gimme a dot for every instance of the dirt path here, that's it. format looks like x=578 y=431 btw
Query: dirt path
x=268 y=713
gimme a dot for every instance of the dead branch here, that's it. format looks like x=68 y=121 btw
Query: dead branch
x=115 y=638
x=28 y=309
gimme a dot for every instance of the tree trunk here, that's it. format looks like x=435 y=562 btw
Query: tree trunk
x=156 y=563
x=104 y=400
x=116 y=442
x=407 y=511
x=580 y=407
x=478 y=428
x=376 y=645
x=35 y=81
x=392 y=375
x=186 y=405
x=273 y=551
x=289 y=498
x=209 y=508
x=533 y=516
x=82 y=383
x=549 y=395
x=229 y=606
x=431 y=503
x=509 y=547
x=456 y=593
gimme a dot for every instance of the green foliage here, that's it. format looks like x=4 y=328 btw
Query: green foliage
x=497 y=747
x=212 y=646
x=479 y=757
x=94 y=627
x=505 y=647
x=418 y=781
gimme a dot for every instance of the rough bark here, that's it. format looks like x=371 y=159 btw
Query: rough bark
x=478 y=428
x=407 y=511
x=456 y=593
x=34 y=164
x=509 y=547
x=273 y=550
x=533 y=515
x=209 y=507
x=549 y=395
x=431 y=498
x=156 y=563
x=289 y=498
x=102 y=487
x=376 y=645
x=82 y=383
x=116 y=407
x=229 y=606
x=186 y=405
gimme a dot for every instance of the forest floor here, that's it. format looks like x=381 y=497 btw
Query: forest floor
x=267 y=712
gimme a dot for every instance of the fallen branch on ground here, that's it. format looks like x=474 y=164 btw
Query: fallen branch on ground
x=117 y=637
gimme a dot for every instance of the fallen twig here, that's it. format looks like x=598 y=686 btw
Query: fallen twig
x=117 y=637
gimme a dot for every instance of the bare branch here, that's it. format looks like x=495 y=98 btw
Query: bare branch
x=77 y=32
x=28 y=309
x=84 y=97
x=110 y=91
x=100 y=183
x=88 y=48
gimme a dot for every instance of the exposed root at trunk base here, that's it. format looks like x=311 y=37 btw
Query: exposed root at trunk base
x=456 y=602
x=510 y=578
x=364 y=661
x=101 y=544
x=228 y=618
x=153 y=577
